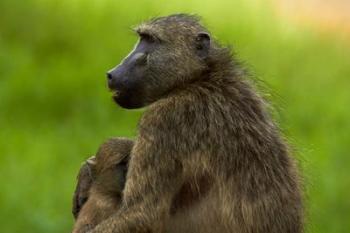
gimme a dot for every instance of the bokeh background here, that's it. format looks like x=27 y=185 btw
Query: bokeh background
x=55 y=108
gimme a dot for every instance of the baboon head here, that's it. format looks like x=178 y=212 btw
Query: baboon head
x=171 y=51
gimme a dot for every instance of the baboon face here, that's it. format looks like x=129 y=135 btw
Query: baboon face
x=166 y=55
x=129 y=79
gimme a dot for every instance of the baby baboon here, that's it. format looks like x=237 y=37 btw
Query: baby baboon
x=100 y=183
x=206 y=143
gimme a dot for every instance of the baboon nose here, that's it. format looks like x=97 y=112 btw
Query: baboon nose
x=109 y=76
x=110 y=81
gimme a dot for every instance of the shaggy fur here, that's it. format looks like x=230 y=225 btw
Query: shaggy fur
x=207 y=140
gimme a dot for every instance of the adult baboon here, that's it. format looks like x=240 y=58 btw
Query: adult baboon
x=205 y=130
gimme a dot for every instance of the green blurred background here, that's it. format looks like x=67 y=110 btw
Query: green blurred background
x=55 y=108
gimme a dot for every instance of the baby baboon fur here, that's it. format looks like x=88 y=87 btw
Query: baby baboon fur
x=100 y=184
x=206 y=129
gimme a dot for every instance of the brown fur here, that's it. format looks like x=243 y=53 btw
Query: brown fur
x=206 y=128
x=100 y=183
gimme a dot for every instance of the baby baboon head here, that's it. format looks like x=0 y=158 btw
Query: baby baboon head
x=171 y=51
x=101 y=182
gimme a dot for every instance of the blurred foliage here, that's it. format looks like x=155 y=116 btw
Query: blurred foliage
x=55 y=109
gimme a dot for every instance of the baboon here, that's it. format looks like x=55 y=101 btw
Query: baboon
x=101 y=181
x=206 y=143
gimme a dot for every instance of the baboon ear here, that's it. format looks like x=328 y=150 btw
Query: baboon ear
x=203 y=44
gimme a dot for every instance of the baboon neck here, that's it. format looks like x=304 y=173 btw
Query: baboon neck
x=222 y=64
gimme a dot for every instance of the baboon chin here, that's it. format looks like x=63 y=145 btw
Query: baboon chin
x=207 y=157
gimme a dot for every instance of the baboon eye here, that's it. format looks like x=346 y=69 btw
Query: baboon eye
x=148 y=38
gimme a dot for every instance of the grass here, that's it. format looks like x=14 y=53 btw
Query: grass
x=55 y=109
